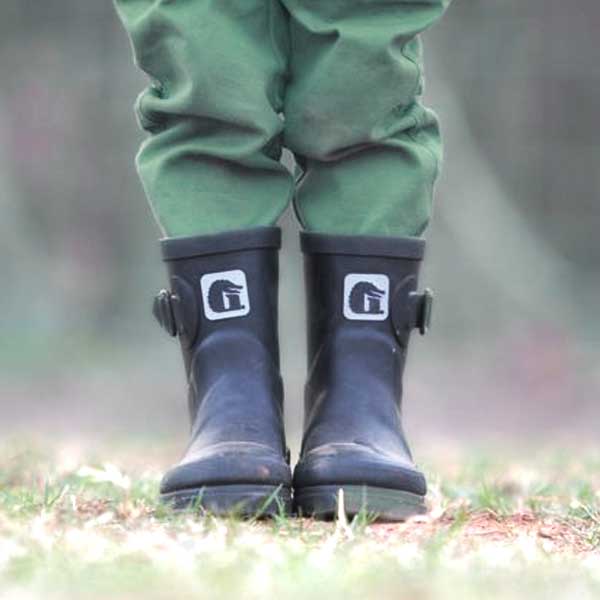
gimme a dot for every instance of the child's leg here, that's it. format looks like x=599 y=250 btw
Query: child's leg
x=211 y=170
x=370 y=150
x=217 y=72
x=370 y=153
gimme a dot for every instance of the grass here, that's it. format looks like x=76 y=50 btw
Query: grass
x=83 y=524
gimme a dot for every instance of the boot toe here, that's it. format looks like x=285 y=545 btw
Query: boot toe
x=352 y=464
x=224 y=464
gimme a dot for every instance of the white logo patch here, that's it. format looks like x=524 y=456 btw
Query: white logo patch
x=366 y=297
x=225 y=295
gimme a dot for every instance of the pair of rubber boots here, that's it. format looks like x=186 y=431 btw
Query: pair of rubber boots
x=362 y=306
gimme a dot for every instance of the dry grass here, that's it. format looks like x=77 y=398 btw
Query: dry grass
x=73 y=526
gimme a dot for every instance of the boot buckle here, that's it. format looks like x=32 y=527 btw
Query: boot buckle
x=176 y=310
x=163 y=312
x=425 y=311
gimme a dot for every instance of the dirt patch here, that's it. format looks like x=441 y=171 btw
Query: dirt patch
x=554 y=534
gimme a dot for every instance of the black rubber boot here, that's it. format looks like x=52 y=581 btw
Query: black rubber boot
x=223 y=307
x=362 y=307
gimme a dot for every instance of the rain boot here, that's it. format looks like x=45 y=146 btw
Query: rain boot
x=362 y=304
x=222 y=305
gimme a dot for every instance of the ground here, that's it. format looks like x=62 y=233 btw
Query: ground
x=77 y=522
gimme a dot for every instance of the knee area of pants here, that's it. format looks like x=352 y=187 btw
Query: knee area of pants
x=318 y=135
x=254 y=122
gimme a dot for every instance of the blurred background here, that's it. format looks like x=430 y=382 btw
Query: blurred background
x=514 y=251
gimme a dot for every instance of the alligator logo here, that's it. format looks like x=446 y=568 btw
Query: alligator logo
x=366 y=297
x=225 y=295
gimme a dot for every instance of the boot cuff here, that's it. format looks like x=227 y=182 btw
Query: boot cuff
x=221 y=243
x=358 y=245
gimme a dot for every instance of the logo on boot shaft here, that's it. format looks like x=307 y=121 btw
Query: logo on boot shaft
x=366 y=297
x=225 y=295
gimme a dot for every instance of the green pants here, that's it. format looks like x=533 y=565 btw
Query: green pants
x=337 y=82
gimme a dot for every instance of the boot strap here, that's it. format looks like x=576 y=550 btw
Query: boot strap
x=176 y=311
x=162 y=309
x=411 y=310
x=422 y=309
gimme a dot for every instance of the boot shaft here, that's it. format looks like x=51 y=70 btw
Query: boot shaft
x=222 y=305
x=362 y=304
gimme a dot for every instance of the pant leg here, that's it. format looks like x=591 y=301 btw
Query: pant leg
x=370 y=151
x=217 y=69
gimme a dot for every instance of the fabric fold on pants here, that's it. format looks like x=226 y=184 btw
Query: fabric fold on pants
x=338 y=83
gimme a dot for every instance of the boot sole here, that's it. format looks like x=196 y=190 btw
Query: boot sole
x=381 y=504
x=245 y=501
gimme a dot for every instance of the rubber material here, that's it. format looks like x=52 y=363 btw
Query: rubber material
x=384 y=504
x=410 y=248
x=238 y=500
x=362 y=305
x=220 y=243
x=222 y=305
